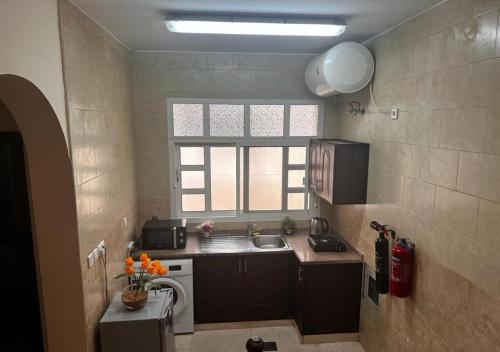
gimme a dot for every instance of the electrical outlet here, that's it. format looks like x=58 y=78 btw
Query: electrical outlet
x=91 y=259
x=395 y=113
x=101 y=249
x=124 y=222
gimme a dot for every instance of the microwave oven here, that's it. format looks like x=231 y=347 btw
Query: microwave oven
x=164 y=234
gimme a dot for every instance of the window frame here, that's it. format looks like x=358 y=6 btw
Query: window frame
x=175 y=142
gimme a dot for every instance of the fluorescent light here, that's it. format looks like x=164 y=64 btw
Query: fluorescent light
x=255 y=26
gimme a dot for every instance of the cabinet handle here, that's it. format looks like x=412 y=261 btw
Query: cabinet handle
x=245 y=264
x=300 y=275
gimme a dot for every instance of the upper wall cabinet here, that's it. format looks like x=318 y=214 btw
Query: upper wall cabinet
x=338 y=170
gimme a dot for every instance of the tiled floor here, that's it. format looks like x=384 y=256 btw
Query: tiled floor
x=233 y=340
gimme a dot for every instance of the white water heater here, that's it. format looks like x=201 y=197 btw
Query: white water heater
x=345 y=68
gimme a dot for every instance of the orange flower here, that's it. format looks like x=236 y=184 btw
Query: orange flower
x=156 y=263
x=129 y=270
x=162 y=270
x=145 y=263
x=152 y=270
x=129 y=261
x=143 y=257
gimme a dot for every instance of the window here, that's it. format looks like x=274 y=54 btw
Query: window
x=241 y=159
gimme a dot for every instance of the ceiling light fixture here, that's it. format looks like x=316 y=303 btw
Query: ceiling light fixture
x=315 y=27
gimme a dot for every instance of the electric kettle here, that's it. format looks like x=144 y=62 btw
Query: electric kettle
x=319 y=226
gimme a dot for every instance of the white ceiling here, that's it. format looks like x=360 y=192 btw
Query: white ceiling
x=139 y=24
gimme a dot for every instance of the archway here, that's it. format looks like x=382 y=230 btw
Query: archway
x=53 y=214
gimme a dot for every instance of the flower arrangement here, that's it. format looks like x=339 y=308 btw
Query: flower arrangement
x=206 y=227
x=135 y=295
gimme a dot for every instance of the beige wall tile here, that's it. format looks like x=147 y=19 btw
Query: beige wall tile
x=153 y=188
x=433 y=240
x=483 y=84
x=84 y=163
x=232 y=81
x=464 y=129
x=446 y=89
x=456 y=211
x=498 y=37
x=383 y=128
x=485 y=6
x=424 y=127
x=384 y=187
x=150 y=125
x=152 y=146
x=461 y=254
x=452 y=97
x=419 y=197
x=488 y=227
x=394 y=65
x=216 y=61
x=153 y=167
x=99 y=97
x=438 y=166
x=492 y=143
x=451 y=13
x=429 y=54
x=479 y=174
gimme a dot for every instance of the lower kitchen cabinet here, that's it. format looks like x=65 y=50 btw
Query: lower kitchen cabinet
x=266 y=286
x=218 y=283
x=327 y=298
x=236 y=288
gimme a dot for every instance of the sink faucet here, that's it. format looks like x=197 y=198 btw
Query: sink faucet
x=253 y=230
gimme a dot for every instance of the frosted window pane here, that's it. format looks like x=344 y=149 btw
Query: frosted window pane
x=297 y=155
x=227 y=120
x=193 y=179
x=266 y=120
x=192 y=156
x=295 y=178
x=295 y=201
x=188 y=119
x=265 y=178
x=193 y=202
x=303 y=120
x=223 y=177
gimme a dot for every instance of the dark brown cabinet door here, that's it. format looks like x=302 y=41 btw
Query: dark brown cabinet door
x=325 y=183
x=218 y=289
x=338 y=170
x=299 y=297
x=332 y=295
x=314 y=164
x=266 y=286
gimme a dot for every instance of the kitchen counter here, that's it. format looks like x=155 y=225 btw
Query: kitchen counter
x=297 y=242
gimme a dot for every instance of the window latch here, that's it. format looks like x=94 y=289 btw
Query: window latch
x=177 y=178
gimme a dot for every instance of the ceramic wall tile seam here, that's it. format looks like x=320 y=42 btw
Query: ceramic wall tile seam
x=456 y=211
x=488 y=231
x=478 y=11
x=476 y=187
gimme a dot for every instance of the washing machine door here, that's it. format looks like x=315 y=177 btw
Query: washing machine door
x=180 y=294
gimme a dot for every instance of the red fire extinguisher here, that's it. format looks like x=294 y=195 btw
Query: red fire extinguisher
x=401 y=268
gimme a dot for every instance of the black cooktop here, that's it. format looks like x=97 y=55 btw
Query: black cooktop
x=326 y=243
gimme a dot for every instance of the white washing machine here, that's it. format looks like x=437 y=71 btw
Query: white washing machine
x=179 y=277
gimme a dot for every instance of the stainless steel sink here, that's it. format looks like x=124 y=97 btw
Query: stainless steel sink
x=229 y=243
x=270 y=242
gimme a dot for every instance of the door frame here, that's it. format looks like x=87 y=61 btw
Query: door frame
x=52 y=199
